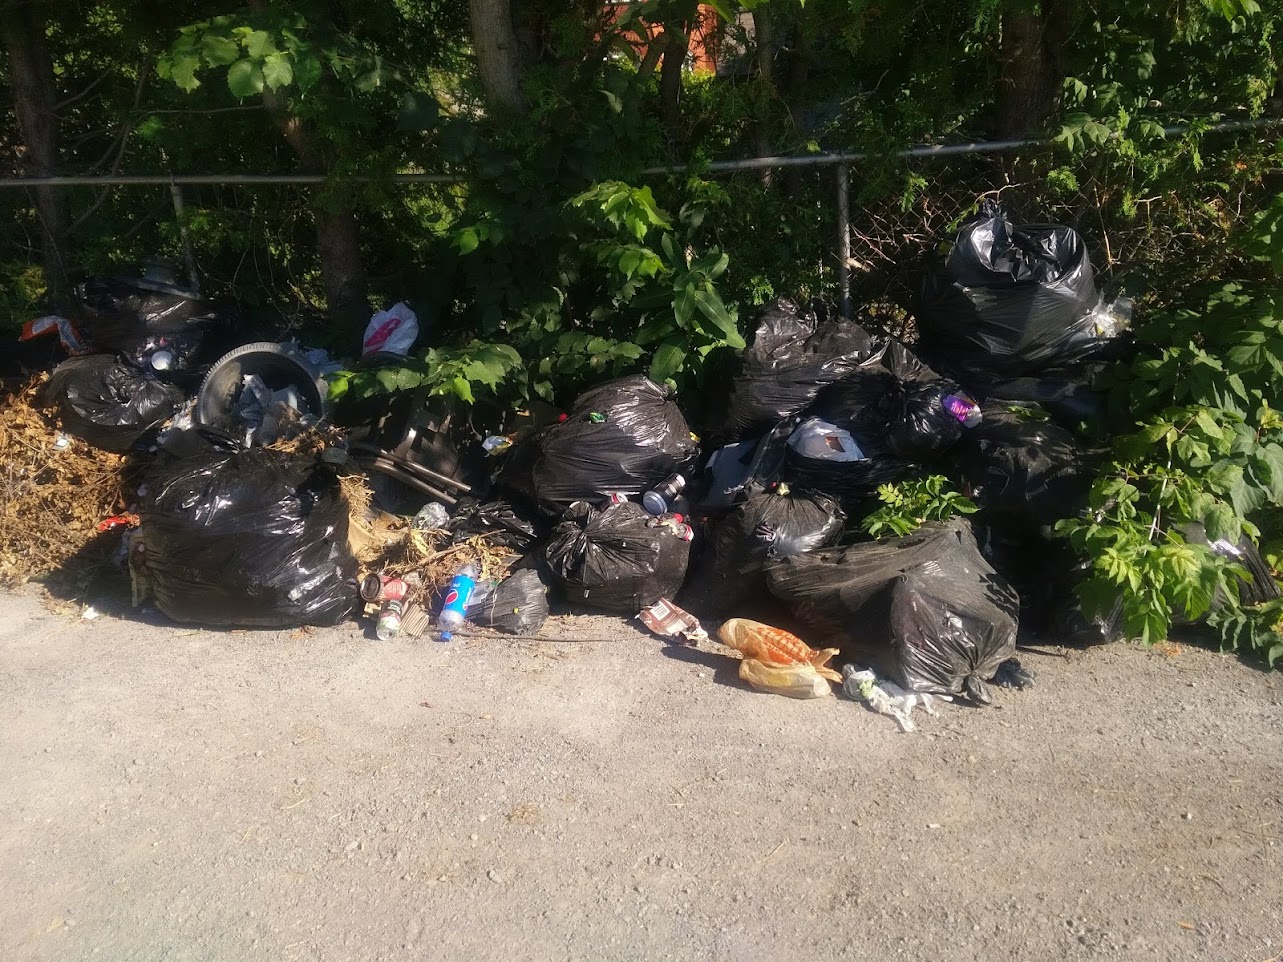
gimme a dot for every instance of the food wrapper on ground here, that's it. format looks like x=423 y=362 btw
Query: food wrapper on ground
x=668 y=621
x=887 y=698
x=791 y=681
x=774 y=646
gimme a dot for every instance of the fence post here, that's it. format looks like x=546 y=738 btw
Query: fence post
x=193 y=277
x=844 y=241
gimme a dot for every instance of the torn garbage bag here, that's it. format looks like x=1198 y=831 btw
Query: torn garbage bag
x=108 y=402
x=1024 y=472
x=517 y=605
x=779 y=524
x=792 y=357
x=823 y=457
x=928 y=604
x=496 y=521
x=896 y=401
x=254 y=538
x=615 y=558
x=624 y=436
x=1011 y=299
x=745 y=469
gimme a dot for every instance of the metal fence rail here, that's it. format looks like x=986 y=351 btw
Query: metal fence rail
x=841 y=161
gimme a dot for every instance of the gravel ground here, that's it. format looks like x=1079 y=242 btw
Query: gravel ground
x=169 y=793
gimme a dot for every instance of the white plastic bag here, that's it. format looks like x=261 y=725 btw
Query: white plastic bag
x=393 y=331
x=822 y=441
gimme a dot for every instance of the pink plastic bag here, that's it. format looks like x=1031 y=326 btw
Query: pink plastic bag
x=393 y=331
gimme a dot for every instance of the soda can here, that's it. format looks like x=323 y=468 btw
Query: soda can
x=389 y=624
x=684 y=531
x=382 y=588
x=616 y=497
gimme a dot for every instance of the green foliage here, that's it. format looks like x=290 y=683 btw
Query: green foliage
x=908 y=505
x=1207 y=448
x=1257 y=630
x=22 y=286
x=441 y=371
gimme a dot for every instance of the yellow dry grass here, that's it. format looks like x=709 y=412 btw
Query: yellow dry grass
x=51 y=496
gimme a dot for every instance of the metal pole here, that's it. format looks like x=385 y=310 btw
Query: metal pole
x=844 y=241
x=721 y=166
x=193 y=276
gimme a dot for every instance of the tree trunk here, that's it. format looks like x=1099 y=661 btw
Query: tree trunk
x=338 y=238
x=31 y=80
x=795 y=92
x=676 y=45
x=765 y=92
x=1034 y=41
x=338 y=241
x=498 y=53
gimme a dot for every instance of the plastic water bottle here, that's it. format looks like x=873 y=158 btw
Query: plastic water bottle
x=454 y=608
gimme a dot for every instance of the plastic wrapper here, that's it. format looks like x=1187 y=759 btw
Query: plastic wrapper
x=800 y=681
x=928 y=605
x=895 y=400
x=614 y=559
x=256 y=539
x=1023 y=471
x=825 y=457
x=774 y=646
x=1012 y=299
x=769 y=526
x=623 y=436
x=517 y=605
x=109 y=402
x=887 y=698
x=497 y=521
x=792 y=357
x=668 y=621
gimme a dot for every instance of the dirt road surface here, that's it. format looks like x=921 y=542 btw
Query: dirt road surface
x=169 y=793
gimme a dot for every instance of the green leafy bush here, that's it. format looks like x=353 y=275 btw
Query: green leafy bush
x=908 y=505
x=1207 y=448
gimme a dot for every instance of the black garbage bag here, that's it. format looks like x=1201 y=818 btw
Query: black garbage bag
x=626 y=435
x=1067 y=395
x=137 y=320
x=517 y=605
x=929 y=604
x=615 y=557
x=764 y=528
x=895 y=401
x=1260 y=585
x=1069 y=622
x=823 y=457
x=108 y=402
x=792 y=357
x=1011 y=299
x=1024 y=472
x=255 y=538
x=498 y=521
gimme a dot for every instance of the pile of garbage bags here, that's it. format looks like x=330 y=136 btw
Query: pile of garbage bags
x=617 y=507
